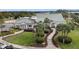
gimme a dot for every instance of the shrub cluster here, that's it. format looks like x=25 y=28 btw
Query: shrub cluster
x=64 y=39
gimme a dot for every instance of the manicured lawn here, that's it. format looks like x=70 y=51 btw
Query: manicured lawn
x=75 y=40
x=25 y=38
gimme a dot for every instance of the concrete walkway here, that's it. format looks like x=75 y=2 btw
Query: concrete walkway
x=49 y=40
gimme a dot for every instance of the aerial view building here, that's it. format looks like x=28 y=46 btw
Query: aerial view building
x=42 y=29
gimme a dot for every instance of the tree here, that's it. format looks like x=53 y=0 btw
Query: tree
x=16 y=14
x=47 y=25
x=46 y=20
x=65 y=15
x=61 y=11
x=1 y=22
x=64 y=28
x=39 y=37
x=72 y=26
x=75 y=18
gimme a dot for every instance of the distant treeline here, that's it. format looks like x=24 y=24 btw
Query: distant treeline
x=66 y=10
x=15 y=15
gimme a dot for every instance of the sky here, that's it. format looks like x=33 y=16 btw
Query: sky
x=27 y=9
x=2 y=10
x=39 y=4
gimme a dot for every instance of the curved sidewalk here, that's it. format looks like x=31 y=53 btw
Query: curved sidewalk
x=50 y=45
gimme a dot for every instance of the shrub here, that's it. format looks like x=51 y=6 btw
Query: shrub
x=39 y=40
x=6 y=33
x=64 y=39
x=46 y=31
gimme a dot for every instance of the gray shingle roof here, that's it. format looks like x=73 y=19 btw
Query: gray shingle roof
x=24 y=21
x=57 y=18
x=5 y=29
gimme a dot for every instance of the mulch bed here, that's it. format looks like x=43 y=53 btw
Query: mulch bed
x=54 y=41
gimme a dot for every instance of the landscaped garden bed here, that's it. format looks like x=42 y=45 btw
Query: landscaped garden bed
x=75 y=40
x=3 y=33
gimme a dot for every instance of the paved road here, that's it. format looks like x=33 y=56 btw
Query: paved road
x=49 y=40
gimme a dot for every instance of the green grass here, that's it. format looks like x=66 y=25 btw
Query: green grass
x=25 y=38
x=75 y=40
x=67 y=21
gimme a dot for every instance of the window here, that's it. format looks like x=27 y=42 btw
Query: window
x=30 y=25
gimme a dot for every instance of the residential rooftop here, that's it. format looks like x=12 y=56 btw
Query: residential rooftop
x=56 y=17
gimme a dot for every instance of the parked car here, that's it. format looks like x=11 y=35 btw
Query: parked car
x=3 y=46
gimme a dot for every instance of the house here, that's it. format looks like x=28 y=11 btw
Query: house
x=4 y=29
x=55 y=18
x=29 y=23
x=25 y=23
x=10 y=21
x=6 y=26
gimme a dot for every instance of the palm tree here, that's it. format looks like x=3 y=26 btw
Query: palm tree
x=64 y=28
x=60 y=28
